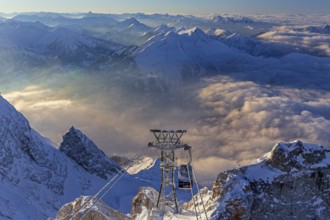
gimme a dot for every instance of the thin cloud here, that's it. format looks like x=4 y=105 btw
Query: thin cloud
x=299 y=37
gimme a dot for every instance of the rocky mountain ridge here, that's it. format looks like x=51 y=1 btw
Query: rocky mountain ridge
x=292 y=181
x=37 y=179
x=86 y=154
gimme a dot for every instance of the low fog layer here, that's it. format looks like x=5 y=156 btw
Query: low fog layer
x=231 y=120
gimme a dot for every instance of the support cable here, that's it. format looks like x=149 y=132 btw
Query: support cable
x=192 y=194
x=123 y=171
x=106 y=188
x=191 y=186
x=194 y=176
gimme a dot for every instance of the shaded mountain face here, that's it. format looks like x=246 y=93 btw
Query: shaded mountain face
x=181 y=56
x=127 y=32
x=32 y=172
x=325 y=29
x=86 y=154
x=36 y=179
x=292 y=181
x=52 y=43
x=20 y=144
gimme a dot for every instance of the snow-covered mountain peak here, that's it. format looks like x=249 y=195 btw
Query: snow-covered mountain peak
x=21 y=34
x=12 y=23
x=162 y=28
x=232 y=19
x=127 y=31
x=67 y=39
x=296 y=155
x=36 y=178
x=157 y=33
x=326 y=28
x=85 y=153
x=130 y=21
x=65 y=42
x=282 y=181
x=170 y=34
x=7 y=110
x=77 y=132
x=180 y=55
x=30 y=166
x=195 y=31
x=133 y=23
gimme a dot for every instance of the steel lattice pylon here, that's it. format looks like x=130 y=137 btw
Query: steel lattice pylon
x=167 y=141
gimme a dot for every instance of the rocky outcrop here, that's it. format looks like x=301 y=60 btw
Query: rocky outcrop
x=79 y=210
x=295 y=156
x=292 y=182
x=86 y=154
x=36 y=179
x=30 y=166
x=82 y=208
x=144 y=201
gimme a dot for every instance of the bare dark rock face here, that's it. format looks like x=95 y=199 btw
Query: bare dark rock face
x=86 y=154
x=295 y=156
x=292 y=182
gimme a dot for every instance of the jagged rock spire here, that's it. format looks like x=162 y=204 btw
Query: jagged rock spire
x=85 y=153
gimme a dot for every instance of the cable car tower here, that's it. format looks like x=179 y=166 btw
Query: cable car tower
x=167 y=141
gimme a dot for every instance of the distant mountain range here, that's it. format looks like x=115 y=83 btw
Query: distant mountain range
x=160 y=54
x=211 y=73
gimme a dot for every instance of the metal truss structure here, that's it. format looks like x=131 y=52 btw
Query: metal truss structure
x=167 y=141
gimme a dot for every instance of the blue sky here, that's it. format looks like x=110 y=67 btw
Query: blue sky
x=169 y=6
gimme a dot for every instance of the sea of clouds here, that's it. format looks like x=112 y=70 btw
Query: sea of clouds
x=232 y=118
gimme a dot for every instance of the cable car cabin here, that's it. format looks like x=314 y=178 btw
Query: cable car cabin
x=185 y=177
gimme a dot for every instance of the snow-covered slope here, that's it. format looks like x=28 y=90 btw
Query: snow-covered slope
x=37 y=179
x=21 y=34
x=127 y=32
x=32 y=170
x=65 y=38
x=67 y=43
x=46 y=18
x=132 y=25
x=183 y=55
x=291 y=181
x=157 y=32
x=84 y=20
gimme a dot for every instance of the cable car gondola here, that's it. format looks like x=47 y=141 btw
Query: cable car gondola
x=185 y=176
